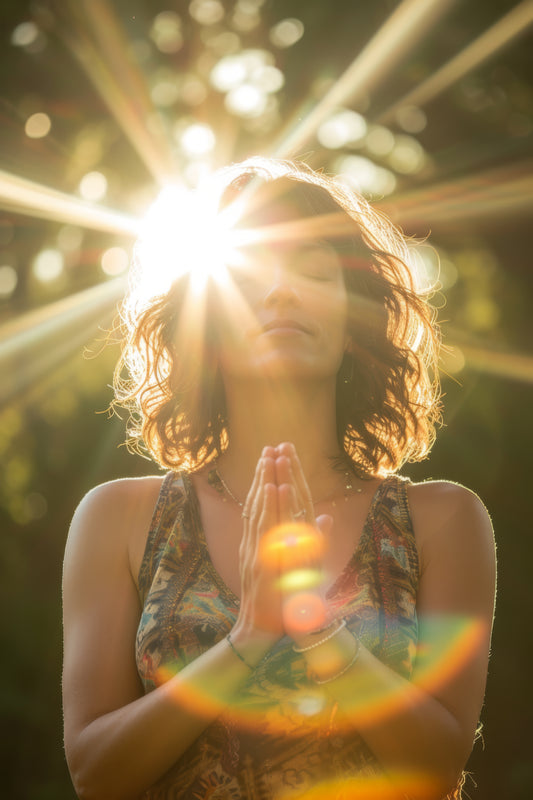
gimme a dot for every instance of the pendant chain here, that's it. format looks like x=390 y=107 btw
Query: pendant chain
x=216 y=480
x=224 y=485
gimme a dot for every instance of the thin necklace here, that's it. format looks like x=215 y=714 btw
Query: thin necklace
x=215 y=479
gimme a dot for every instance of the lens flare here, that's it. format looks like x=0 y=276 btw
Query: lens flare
x=393 y=786
x=448 y=643
x=294 y=550
x=304 y=612
x=299 y=580
x=292 y=546
x=453 y=641
x=359 y=703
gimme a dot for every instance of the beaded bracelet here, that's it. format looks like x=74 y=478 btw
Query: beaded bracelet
x=228 y=638
x=345 y=669
x=340 y=626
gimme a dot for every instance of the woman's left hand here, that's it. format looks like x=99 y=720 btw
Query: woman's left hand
x=304 y=541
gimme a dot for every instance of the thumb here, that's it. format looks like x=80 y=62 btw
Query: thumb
x=324 y=524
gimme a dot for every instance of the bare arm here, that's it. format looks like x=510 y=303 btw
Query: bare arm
x=426 y=727
x=422 y=730
x=119 y=741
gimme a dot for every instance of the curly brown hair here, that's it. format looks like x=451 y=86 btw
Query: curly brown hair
x=388 y=397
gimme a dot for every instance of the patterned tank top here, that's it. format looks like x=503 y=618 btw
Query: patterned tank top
x=281 y=739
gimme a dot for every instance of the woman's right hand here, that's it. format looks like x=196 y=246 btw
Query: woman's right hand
x=261 y=608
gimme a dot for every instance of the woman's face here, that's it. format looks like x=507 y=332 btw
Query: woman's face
x=297 y=299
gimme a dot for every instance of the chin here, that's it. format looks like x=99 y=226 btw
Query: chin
x=293 y=369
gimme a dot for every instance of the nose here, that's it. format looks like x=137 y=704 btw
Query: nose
x=282 y=289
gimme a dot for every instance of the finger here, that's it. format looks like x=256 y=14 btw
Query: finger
x=324 y=523
x=300 y=481
x=301 y=547
x=323 y=529
x=283 y=469
x=289 y=470
x=267 y=554
x=288 y=450
x=268 y=473
x=285 y=477
x=268 y=518
x=262 y=517
x=252 y=492
x=287 y=503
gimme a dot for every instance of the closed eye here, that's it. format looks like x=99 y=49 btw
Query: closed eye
x=319 y=262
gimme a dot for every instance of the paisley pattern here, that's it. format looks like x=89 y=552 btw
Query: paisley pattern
x=281 y=739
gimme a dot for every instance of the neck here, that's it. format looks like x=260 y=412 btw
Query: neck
x=262 y=413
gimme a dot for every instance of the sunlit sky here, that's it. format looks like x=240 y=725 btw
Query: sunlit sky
x=420 y=105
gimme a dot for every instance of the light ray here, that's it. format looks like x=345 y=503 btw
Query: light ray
x=321 y=226
x=513 y=366
x=34 y=344
x=190 y=338
x=501 y=192
x=108 y=64
x=502 y=33
x=22 y=196
x=406 y=25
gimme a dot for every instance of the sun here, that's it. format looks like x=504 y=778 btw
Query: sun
x=185 y=232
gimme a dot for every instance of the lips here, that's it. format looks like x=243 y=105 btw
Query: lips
x=282 y=324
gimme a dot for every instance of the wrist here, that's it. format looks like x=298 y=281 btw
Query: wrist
x=329 y=652
x=305 y=642
x=328 y=665
x=251 y=644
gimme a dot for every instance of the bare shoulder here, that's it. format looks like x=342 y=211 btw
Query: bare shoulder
x=122 y=499
x=122 y=490
x=113 y=519
x=448 y=515
x=446 y=496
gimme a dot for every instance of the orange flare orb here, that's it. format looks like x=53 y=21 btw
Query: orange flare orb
x=291 y=545
x=304 y=612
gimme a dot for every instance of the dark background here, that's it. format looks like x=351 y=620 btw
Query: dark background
x=472 y=196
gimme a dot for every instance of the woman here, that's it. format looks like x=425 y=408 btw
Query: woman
x=281 y=615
